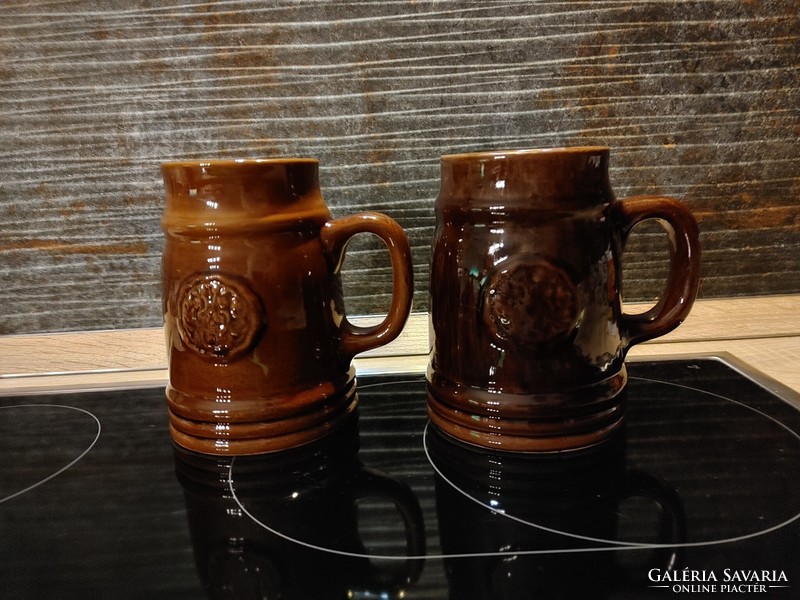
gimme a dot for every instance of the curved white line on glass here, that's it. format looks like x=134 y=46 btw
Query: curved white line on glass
x=69 y=464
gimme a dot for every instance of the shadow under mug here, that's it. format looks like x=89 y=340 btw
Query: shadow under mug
x=528 y=331
x=258 y=341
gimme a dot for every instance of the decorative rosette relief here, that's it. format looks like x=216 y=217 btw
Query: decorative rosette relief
x=218 y=315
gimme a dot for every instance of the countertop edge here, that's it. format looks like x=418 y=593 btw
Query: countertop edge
x=761 y=332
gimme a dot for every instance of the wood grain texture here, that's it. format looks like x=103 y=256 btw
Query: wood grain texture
x=698 y=99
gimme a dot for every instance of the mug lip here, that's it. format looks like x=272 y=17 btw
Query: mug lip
x=236 y=162
x=522 y=152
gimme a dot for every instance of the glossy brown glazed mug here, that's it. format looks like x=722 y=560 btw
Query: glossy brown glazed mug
x=259 y=346
x=528 y=331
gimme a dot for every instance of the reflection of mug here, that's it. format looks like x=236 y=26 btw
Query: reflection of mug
x=552 y=521
x=290 y=528
x=529 y=337
x=259 y=345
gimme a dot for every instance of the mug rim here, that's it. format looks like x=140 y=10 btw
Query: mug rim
x=501 y=154
x=235 y=162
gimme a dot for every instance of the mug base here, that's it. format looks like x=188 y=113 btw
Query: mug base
x=538 y=426
x=262 y=437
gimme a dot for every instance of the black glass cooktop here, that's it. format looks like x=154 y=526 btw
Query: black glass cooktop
x=699 y=497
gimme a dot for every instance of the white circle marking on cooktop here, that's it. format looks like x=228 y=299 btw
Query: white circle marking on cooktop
x=348 y=554
x=70 y=463
x=610 y=545
x=621 y=545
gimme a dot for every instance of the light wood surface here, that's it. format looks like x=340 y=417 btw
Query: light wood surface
x=763 y=333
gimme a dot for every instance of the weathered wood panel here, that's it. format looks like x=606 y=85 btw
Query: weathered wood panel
x=698 y=99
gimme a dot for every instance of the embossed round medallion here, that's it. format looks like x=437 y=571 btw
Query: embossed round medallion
x=529 y=301
x=218 y=315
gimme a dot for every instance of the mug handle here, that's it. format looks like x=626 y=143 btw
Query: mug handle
x=335 y=235
x=684 y=264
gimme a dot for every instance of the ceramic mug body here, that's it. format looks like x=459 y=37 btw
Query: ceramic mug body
x=528 y=331
x=259 y=345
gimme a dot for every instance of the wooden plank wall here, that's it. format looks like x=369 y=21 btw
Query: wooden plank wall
x=698 y=99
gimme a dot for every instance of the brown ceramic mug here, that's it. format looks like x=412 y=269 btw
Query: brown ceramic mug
x=528 y=330
x=259 y=346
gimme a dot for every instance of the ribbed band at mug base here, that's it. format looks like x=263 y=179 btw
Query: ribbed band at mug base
x=547 y=432
x=261 y=437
